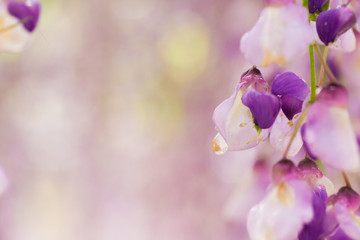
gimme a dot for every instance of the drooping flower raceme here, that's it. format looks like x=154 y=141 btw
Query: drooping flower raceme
x=301 y=202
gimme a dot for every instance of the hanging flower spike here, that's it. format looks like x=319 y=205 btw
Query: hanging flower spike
x=285 y=209
x=316 y=5
x=281 y=34
x=328 y=133
x=332 y=23
x=241 y=127
x=341 y=214
x=28 y=12
x=292 y=91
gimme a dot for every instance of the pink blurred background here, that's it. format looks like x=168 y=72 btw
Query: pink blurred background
x=105 y=124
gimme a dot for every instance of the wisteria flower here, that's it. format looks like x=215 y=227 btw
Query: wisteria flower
x=328 y=134
x=333 y=23
x=321 y=187
x=244 y=119
x=292 y=91
x=281 y=34
x=341 y=214
x=285 y=209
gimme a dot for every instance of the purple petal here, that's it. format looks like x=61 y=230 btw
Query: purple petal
x=290 y=106
x=340 y=235
x=24 y=11
x=332 y=23
x=315 y=5
x=289 y=84
x=314 y=229
x=263 y=106
x=236 y=125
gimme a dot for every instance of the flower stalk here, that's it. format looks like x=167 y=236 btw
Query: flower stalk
x=312 y=75
x=324 y=64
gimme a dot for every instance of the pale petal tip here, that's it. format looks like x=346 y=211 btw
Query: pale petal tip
x=219 y=145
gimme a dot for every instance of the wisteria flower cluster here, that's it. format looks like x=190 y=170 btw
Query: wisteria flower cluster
x=294 y=115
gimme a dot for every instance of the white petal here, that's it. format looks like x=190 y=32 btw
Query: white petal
x=281 y=34
x=282 y=214
x=329 y=186
x=281 y=133
x=240 y=129
x=219 y=145
x=346 y=42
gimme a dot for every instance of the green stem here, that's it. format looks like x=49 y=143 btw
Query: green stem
x=312 y=74
x=12 y=26
x=346 y=179
x=305 y=3
x=321 y=75
x=323 y=62
x=296 y=129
